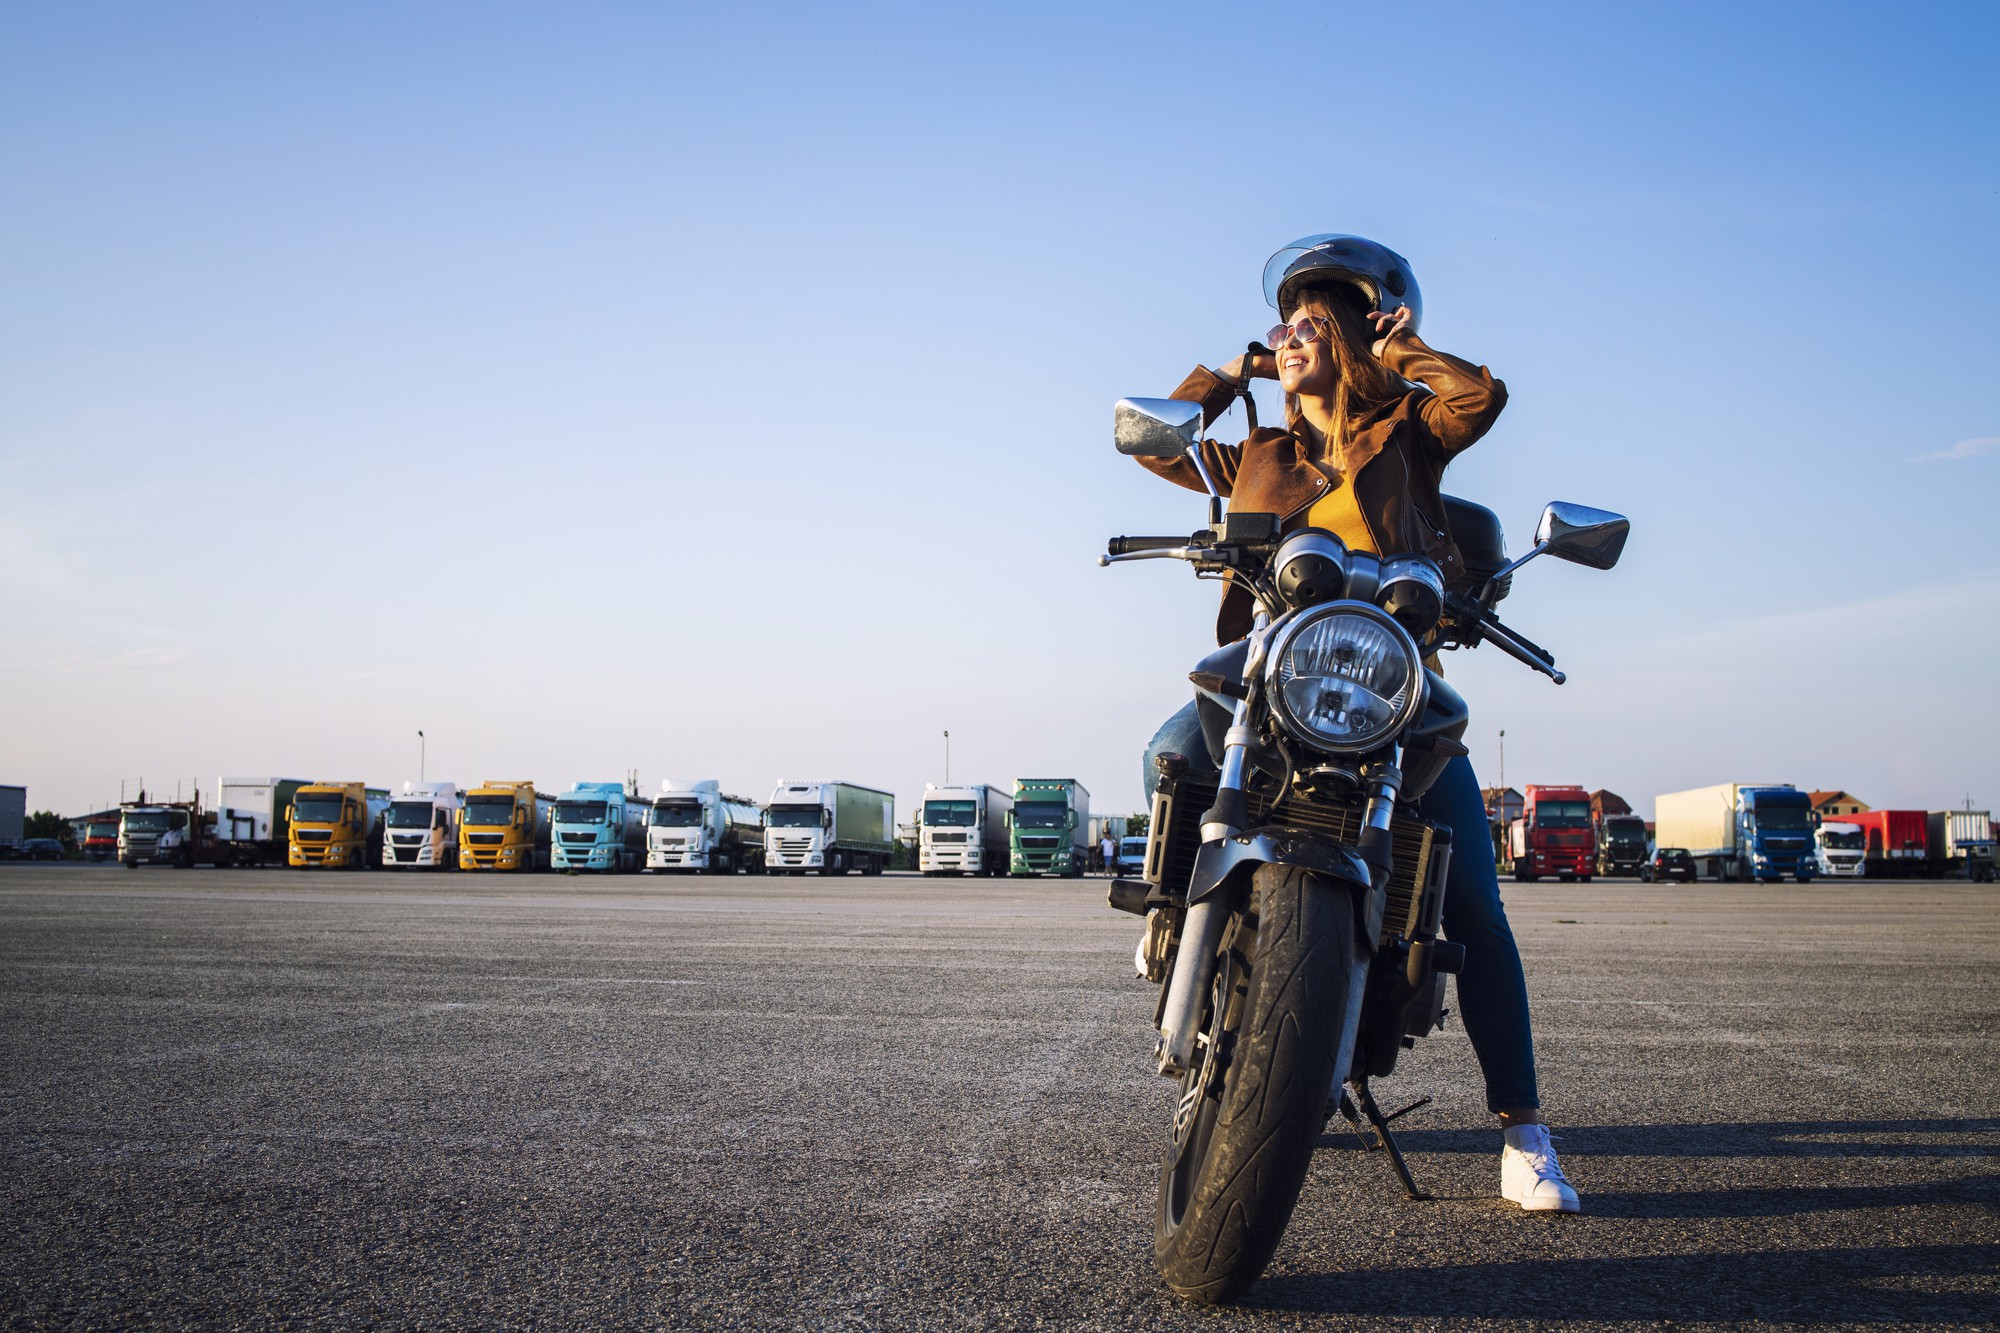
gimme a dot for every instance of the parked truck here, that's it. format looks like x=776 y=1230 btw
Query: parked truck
x=337 y=824
x=1739 y=831
x=1839 y=848
x=1621 y=844
x=1553 y=835
x=182 y=833
x=1895 y=843
x=504 y=826
x=831 y=827
x=697 y=826
x=100 y=836
x=1050 y=828
x=1965 y=839
x=270 y=798
x=963 y=830
x=598 y=826
x=422 y=827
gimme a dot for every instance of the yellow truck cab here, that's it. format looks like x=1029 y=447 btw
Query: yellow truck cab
x=504 y=826
x=336 y=824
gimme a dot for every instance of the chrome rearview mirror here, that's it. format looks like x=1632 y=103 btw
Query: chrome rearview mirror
x=1156 y=427
x=1582 y=535
x=1576 y=533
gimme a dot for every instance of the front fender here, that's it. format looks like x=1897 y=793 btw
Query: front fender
x=1220 y=866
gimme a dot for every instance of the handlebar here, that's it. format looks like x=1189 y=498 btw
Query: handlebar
x=1486 y=625
x=1132 y=545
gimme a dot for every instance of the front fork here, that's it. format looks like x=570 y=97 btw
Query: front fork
x=1208 y=908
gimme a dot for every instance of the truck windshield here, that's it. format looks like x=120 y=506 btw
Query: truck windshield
x=580 y=812
x=410 y=814
x=1783 y=818
x=1041 y=814
x=794 y=816
x=316 y=810
x=100 y=830
x=489 y=810
x=951 y=814
x=678 y=814
x=1562 y=814
x=1841 y=842
x=154 y=821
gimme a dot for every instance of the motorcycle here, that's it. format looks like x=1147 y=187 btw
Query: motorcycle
x=1293 y=896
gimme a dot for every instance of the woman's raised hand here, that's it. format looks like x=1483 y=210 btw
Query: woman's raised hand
x=1388 y=324
x=1250 y=366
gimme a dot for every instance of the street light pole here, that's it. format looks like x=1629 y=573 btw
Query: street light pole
x=1503 y=765
x=947 y=759
x=420 y=757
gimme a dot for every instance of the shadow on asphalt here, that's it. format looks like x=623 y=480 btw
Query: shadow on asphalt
x=1777 y=1138
x=1933 y=1283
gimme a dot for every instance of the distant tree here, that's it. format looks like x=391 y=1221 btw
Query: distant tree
x=49 y=824
x=1138 y=826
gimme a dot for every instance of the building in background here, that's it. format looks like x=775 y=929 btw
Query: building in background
x=1604 y=803
x=1835 y=804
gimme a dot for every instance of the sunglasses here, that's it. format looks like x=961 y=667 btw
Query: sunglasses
x=1309 y=329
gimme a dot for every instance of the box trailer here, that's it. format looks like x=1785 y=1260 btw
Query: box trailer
x=830 y=827
x=270 y=798
x=1896 y=844
x=1740 y=831
x=1964 y=839
x=963 y=830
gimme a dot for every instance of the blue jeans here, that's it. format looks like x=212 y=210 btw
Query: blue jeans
x=1492 y=991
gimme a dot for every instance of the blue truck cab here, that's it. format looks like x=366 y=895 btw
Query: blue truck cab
x=1774 y=832
x=598 y=826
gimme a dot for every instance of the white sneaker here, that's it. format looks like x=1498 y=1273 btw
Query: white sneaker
x=1530 y=1174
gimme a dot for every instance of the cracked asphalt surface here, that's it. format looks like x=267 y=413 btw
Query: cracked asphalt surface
x=261 y=1098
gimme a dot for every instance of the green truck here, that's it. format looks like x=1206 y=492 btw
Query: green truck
x=1049 y=827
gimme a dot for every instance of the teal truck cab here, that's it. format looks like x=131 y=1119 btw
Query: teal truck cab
x=598 y=826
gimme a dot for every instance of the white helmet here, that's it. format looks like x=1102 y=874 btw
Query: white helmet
x=1381 y=275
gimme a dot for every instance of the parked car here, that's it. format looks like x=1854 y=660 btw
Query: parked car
x=40 y=849
x=1131 y=857
x=1668 y=863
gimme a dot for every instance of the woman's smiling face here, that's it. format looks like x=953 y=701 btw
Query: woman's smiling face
x=1307 y=366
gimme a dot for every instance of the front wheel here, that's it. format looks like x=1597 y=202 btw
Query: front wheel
x=1251 y=1112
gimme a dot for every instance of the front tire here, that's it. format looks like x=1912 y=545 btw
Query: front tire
x=1228 y=1188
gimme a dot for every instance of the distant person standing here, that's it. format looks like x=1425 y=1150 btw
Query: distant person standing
x=1107 y=851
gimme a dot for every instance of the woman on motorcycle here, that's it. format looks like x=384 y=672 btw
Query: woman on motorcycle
x=1373 y=416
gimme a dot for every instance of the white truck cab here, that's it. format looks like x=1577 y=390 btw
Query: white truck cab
x=421 y=830
x=695 y=826
x=1841 y=849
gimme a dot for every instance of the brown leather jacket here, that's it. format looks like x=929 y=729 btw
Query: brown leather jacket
x=1398 y=453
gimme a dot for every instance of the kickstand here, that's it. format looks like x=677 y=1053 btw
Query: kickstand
x=1364 y=1101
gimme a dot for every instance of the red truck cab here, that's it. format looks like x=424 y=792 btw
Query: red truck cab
x=1553 y=836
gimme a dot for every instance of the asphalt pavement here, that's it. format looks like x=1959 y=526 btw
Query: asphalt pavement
x=268 y=1098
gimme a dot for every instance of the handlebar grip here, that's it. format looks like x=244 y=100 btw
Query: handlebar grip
x=1127 y=545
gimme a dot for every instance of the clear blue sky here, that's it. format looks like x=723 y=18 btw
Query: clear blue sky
x=725 y=390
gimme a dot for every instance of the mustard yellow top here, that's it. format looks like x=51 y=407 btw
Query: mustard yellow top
x=1340 y=514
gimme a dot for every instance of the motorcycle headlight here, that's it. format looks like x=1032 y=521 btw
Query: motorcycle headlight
x=1344 y=677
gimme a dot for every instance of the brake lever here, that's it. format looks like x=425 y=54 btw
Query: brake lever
x=1475 y=623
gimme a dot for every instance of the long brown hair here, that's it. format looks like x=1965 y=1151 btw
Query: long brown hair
x=1362 y=383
